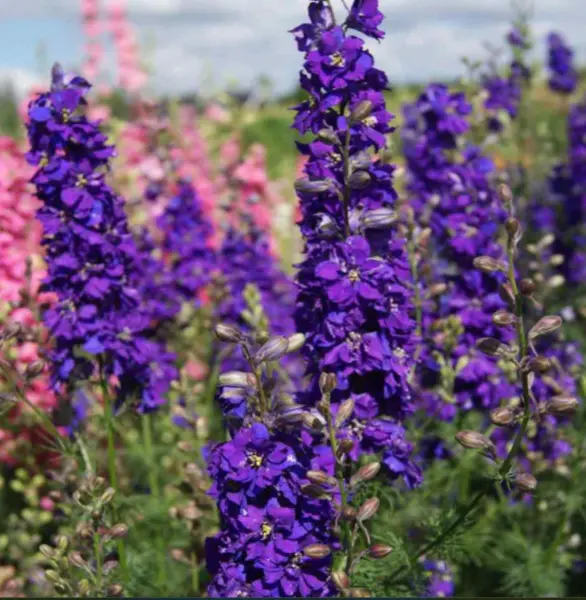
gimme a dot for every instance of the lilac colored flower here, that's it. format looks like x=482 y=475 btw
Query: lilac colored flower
x=440 y=582
x=563 y=75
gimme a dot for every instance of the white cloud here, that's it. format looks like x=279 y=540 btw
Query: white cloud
x=20 y=80
x=242 y=39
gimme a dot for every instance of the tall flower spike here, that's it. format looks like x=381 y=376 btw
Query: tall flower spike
x=354 y=304
x=89 y=251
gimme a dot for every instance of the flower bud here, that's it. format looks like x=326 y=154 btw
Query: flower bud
x=545 y=325
x=52 y=576
x=320 y=478
x=368 y=509
x=513 y=227
x=437 y=289
x=503 y=318
x=379 y=218
x=349 y=513
x=115 y=590
x=526 y=482
x=505 y=194
x=379 y=551
x=562 y=405
x=341 y=580
x=506 y=294
x=228 y=333
x=62 y=543
x=34 y=369
x=77 y=560
x=314 y=491
x=359 y=593
x=361 y=110
x=490 y=346
x=108 y=495
x=84 y=587
x=317 y=186
x=345 y=411
x=120 y=530
x=327 y=383
x=502 y=416
x=295 y=342
x=359 y=180
x=317 y=551
x=11 y=331
x=365 y=473
x=539 y=364
x=274 y=349
x=47 y=551
x=527 y=286
x=472 y=440
x=345 y=447
x=486 y=264
x=312 y=421
x=328 y=136
x=238 y=379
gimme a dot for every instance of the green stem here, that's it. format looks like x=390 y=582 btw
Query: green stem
x=98 y=557
x=109 y=414
x=506 y=465
x=155 y=490
x=346 y=198
x=415 y=278
x=343 y=493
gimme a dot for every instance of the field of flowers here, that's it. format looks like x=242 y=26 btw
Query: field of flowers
x=249 y=351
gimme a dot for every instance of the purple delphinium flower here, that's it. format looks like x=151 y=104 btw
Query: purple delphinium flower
x=354 y=304
x=90 y=253
x=186 y=243
x=563 y=75
x=265 y=519
x=440 y=581
x=452 y=192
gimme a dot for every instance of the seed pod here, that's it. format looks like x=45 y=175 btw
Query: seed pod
x=327 y=383
x=359 y=180
x=361 y=110
x=379 y=218
x=314 y=491
x=562 y=405
x=513 y=227
x=274 y=349
x=526 y=482
x=486 y=264
x=77 y=560
x=341 y=580
x=62 y=543
x=317 y=551
x=544 y=326
x=365 y=473
x=115 y=590
x=502 y=416
x=472 y=440
x=320 y=478
x=295 y=342
x=52 y=576
x=120 y=530
x=503 y=318
x=109 y=566
x=34 y=369
x=368 y=509
x=490 y=346
x=328 y=136
x=317 y=186
x=345 y=411
x=379 y=551
x=237 y=379
x=527 y=286
x=228 y=333
x=179 y=555
x=312 y=421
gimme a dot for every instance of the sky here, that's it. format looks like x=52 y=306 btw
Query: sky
x=203 y=45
